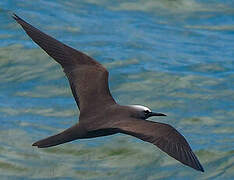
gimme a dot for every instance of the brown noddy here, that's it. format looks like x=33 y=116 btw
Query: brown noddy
x=100 y=115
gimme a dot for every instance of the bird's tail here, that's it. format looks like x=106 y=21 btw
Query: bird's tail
x=67 y=135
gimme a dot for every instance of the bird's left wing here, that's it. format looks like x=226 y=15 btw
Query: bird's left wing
x=164 y=136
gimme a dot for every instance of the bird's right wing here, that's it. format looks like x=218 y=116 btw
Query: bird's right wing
x=164 y=136
x=88 y=78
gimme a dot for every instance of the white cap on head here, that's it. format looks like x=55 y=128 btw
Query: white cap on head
x=140 y=107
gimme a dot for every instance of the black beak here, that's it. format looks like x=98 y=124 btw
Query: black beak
x=156 y=114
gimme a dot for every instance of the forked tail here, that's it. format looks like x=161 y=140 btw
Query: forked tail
x=70 y=134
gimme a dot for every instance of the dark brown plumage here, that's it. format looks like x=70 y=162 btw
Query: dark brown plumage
x=100 y=115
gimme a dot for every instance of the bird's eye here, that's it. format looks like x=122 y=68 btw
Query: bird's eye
x=146 y=112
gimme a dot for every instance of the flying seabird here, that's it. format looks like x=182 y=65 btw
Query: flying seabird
x=100 y=115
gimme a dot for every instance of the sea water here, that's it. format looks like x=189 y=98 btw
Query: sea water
x=175 y=57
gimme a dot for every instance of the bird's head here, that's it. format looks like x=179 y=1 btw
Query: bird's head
x=143 y=112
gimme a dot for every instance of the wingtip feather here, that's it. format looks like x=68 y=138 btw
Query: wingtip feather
x=18 y=19
x=41 y=145
x=35 y=144
x=15 y=16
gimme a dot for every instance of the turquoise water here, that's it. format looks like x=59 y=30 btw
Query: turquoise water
x=175 y=57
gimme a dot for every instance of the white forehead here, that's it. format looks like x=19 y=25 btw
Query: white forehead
x=140 y=107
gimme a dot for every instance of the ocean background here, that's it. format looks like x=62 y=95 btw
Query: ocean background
x=174 y=56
